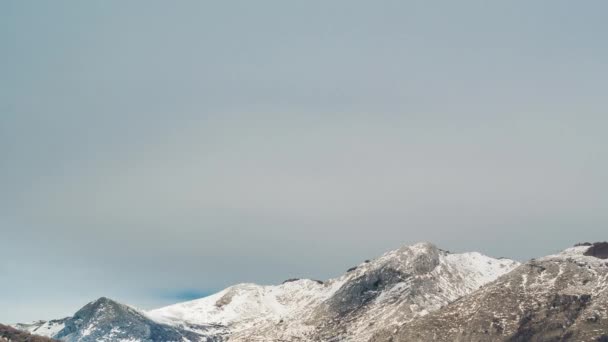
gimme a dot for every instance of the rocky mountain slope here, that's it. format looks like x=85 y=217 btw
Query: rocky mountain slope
x=414 y=293
x=562 y=297
x=397 y=287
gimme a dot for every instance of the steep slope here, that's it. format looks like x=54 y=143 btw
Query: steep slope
x=10 y=334
x=397 y=287
x=561 y=297
x=43 y=328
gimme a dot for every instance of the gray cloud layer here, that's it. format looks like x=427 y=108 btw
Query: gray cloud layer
x=149 y=149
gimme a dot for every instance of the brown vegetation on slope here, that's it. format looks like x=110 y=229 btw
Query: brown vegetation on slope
x=13 y=335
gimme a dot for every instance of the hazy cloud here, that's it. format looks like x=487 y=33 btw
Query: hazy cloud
x=154 y=152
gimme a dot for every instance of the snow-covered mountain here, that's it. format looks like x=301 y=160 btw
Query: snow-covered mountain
x=107 y=320
x=399 y=287
x=562 y=297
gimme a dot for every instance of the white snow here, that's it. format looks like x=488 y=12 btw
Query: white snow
x=247 y=306
x=41 y=328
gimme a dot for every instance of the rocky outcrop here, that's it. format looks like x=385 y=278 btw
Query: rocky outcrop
x=598 y=250
x=414 y=293
x=399 y=286
x=562 y=297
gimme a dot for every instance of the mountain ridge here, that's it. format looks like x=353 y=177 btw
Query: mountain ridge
x=559 y=297
x=398 y=286
x=417 y=292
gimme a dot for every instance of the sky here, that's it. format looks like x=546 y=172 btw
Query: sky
x=155 y=151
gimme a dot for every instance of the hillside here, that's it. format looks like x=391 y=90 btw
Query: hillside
x=561 y=297
x=10 y=334
x=414 y=293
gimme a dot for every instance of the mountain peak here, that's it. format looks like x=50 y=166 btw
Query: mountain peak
x=103 y=306
x=105 y=319
x=416 y=249
x=103 y=300
x=422 y=246
x=418 y=258
x=399 y=286
x=557 y=297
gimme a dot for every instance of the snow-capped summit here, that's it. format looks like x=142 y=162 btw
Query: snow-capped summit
x=107 y=320
x=560 y=297
x=396 y=288
x=399 y=285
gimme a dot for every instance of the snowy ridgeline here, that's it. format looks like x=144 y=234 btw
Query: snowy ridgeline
x=377 y=300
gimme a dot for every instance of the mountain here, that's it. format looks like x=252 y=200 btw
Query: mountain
x=107 y=320
x=398 y=287
x=562 y=297
x=377 y=296
x=10 y=334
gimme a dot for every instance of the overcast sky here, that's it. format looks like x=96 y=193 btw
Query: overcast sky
x=156 y=151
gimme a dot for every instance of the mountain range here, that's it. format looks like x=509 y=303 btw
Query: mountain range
x=415 y=293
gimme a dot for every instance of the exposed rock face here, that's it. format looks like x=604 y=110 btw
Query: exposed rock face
x=598 y=250
x=414 y=293
x=563 y=297
x=401 y=286
x=354 y=295
x=397 y=287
